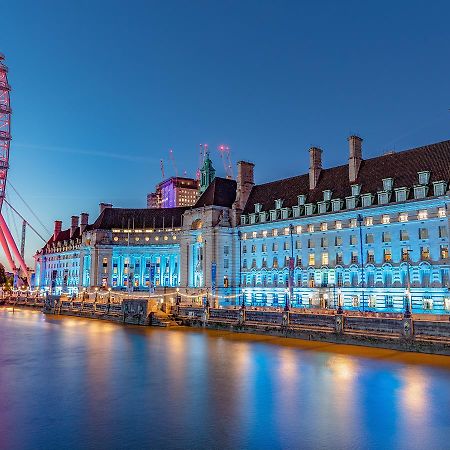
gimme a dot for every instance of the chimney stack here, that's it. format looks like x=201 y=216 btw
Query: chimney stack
x=73 y=225
x=103 y=206
x=315 y=166
x=84 y=218
x=57 y=229
x=355 y=158
x=245 y=181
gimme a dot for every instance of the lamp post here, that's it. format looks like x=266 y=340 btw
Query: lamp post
x=240 y=271
x=340 y=309
x=407 y=312
x=360 y=221
x=286 y=302
x=291 y=269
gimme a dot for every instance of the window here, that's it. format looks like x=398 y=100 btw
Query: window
x=424 y=177
x=326 y=195
x=105 y=262
x=275 y=262
x=369 y=238
x=244 y=249
x=401 y=194
x=356 y=189
x=278 y=203
x=350 y=202
x=404 y=236
x=264 y=248
x=336 y=204
x=386 y=236
x=387 y=184
x=372 y=301
x=370 y=256
x=286 y=245
x=340 y=279
x=424 y=253
x=385 y=219
x=299 y=229
x=311 y=228
x=405 y=254
x=423 y=233
x=255 y=234
x=311 y=282
x=311 y=259
x=258 y=207
x=264 y=233
x=253 y=248
x=383 y=198
x=338 y=225
x=355 y=301
x=427 y=302
x=388 y=301
x=286 y=231
x=439 y=188
x=354 y=257
x=299 y=261
x=225 y=263
x=367 y=200
x=353 y=223
x=339 y=258
x=274 y=247
x=369 y=221
x=298 y=244
x=324 y=258
x=324 y=242
x=423 y=214
x=338 y=240
x=323 y=226
x=353 y=239
x=310 y=243
x=387 y=255
x=444 y=251
x=443 y=231
x=301 y=199
x=253 y=263
x=274 y=232
x=403 y=217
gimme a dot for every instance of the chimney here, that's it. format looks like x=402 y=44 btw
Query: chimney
x=315 y=166
x=103 y=206
x=84 y=218
x=355 y=158
x=57 y=229
x=245 y=182
x=73 y=225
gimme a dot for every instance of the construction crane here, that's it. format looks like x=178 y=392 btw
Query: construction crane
x=173 y=162
x=225 y=155
x=161 y=162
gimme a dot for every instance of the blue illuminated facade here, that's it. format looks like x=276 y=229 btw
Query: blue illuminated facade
x=367 y=235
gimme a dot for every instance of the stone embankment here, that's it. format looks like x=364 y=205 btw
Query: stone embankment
x=393 y=331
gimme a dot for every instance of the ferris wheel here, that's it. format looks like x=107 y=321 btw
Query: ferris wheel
x=6 y=239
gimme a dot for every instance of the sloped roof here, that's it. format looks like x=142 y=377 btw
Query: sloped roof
x=402 y=167
x=139 y=218
x=220 y=192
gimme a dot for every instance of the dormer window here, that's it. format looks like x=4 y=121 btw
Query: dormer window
x=350 y=202
x=262 y=216
x=420 y=191
x=383 y=197
x=278 y=203
x=273 y=214
x=356 y=189
x=327 y=195
x=285 y=213
x=258 y=207
x=401 y=194
x=310 y=209
x=439 y=188
x=296 y=210
x=424 y=177
x=388 y=183
x=367 y=199
x=336 y=204
x=253 y=217
x=323 y=207
x=243 y=219
x=301 y=199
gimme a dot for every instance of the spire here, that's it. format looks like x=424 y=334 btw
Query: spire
x=208 y=173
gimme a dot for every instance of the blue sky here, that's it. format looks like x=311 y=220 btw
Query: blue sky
x=103 y=89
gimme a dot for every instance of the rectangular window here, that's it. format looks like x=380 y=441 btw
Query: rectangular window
x=444 y=251
x=264 y=248
x=338 y=225
x=225 y=263
x=355 y=301
x=299 y=229
x=255 y=234
x=299 y=261
x=423 y=214
x=323 y=226
x=244 y=249
x=405 y=254
x=253 y=248
x=353 y=239
x=324 y=242
x=310 y=243
x=441 y=212
x=404 y=236
x=311 y=228
x=311 y=259
x=286 y=245
x=226 y=249
x=369 y=238
x=388 y=301
x=274 y=232
x=354 y=257
x=443 y=231
x=338 y=240
x=353 y=223
x=339 y=258
x=274 y=247
x=369 y=221
x=298 y=244
x=423 y=233
x=370 y=256
x=424 y=253
x=105 y=262
x=403 y=217
x=387 y=255
x=386 y=236
x=385 y=219
x=324 y=258
x=286 y=231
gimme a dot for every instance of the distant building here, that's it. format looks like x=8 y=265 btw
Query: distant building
x=174 y=192
x=368 y=234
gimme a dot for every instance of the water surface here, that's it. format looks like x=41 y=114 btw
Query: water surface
x=76 y=383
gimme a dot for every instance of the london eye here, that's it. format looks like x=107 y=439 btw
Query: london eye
x=15 y=259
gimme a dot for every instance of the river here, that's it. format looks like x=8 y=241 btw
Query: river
x=69 y=383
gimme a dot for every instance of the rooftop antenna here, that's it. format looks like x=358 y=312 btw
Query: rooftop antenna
x=161 y=162
x=173 y=162
x=225 y=155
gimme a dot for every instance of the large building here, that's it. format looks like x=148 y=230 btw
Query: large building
x=173 y=192
x=371 y=234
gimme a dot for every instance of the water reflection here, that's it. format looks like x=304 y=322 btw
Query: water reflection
x=73 y=383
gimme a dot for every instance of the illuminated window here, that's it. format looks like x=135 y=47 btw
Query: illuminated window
x=310 y=243
x=324 y=258
x=338 y=225
x=444 y=251
x=353 y=239
x=286 y=231
x=423 y=233
x=116 y=238
x=403 y=217
x=355 y=301
x=324 y=242
x=311 y=228
x=274 y=232
x=443 y=231
x=275 y=247
x=423 y=214
x=441 y=212
x=338 y=240
x=254 y=234
x=387 y=255
x=286 y=245
x=424 y=253
x=369 y=221
x=324 y=226
x=369 y=238
x=275 y=262
x=353 y=223
x=404 y=235
x=298 y=244
x=264 y=248
x=371 y=256
x=339 y=258
x=311 y=259
x=264 y=233
x=354 y=257
x=385 y=219
x=386 y=236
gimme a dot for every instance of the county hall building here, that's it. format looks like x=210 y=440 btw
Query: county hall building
x=369 y=234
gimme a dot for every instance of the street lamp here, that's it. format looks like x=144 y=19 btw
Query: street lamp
x=340 y=309
x=286 y=303
x=360 y=221
x=407 y=313
x=291 y=268
x=240 y=270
